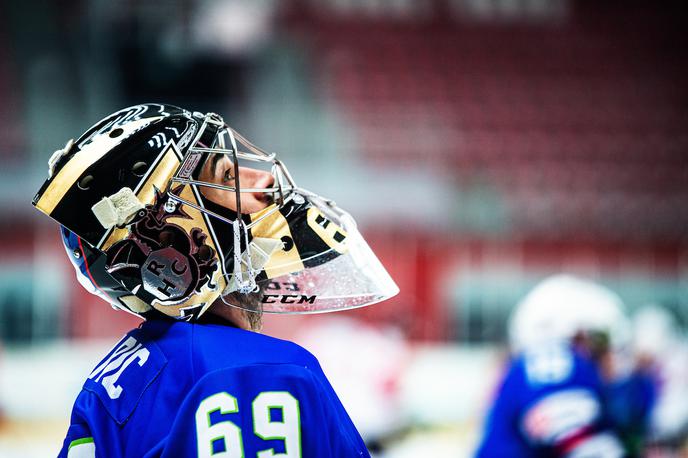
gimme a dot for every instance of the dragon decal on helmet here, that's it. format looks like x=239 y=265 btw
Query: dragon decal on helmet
x=162 y=257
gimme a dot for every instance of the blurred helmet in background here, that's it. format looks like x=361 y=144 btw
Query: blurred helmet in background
x=143 y=234
x=563 y=308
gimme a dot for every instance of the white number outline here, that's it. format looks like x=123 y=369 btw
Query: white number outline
x=223 y=400
x=270 y=453
x=211 y=404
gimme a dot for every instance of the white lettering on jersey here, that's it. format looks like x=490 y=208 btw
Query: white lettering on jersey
x=115 y=359
x=113 y=366
x=548 y=365
x=286 y=429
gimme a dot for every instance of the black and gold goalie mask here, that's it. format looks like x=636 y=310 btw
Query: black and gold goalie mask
x=149 y=221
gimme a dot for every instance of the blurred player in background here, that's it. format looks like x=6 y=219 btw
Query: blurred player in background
x=175 y=217
x=662 y=351
x=568 y=374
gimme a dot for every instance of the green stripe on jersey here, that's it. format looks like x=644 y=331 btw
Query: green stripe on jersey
x=83 y=440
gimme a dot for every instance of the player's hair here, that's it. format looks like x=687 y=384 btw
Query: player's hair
x=252 y=307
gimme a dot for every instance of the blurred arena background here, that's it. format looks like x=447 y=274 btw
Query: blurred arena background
x=481 y=144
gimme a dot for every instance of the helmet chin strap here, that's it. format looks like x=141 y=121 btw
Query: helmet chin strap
x=245 y=281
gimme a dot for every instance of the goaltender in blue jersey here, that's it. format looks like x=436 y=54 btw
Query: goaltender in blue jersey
x=173 y=389
x=175 y=217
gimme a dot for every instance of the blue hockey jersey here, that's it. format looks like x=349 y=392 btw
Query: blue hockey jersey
x=549 y=404
x=177 y=389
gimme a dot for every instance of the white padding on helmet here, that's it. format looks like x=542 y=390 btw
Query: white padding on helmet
x=117 y=209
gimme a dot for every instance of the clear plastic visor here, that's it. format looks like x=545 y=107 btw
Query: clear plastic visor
x=344 y=277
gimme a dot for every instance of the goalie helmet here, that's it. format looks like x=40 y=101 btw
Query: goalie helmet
x=562 y=306
x=142 y=232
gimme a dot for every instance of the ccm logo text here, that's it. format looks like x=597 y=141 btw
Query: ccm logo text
x=288 y=299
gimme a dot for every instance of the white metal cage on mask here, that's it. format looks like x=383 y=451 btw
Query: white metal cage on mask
x=225 y=142
x=131 y=198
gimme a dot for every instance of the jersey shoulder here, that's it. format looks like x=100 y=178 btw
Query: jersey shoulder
x=216 y=347
x=161 y=353
x=120 y=380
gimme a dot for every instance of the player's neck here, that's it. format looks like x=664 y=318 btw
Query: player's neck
x=232 y=316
